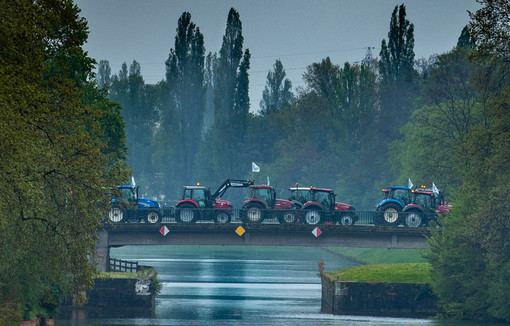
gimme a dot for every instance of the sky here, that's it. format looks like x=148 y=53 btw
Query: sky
x=297 y=32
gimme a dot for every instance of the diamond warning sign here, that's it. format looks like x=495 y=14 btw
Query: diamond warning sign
x=164 y=230
x=316 y=232
x=240 y=231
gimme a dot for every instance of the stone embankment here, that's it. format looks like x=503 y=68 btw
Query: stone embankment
x=117 y=297
x=377 y=299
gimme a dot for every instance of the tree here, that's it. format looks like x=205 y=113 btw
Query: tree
x=470 y=257
x=490 y=27
x=188 y=58
x=55 y=157
x=231 y=101
x=277 y=91
x=450 y=107
x=397 y=74
x=139 y=111
x=104 y=74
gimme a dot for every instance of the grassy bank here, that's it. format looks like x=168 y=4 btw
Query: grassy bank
x=380 y=255
x=396 y=273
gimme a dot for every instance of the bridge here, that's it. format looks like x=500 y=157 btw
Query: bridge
x=247 y=234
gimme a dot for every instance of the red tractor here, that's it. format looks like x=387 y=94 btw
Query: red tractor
x=198 y=203
x=318 y=205
x=425 y=205
x=262 y=203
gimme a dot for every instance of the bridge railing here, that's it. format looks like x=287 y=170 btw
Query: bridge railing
x=119 y=265
x=277 y=216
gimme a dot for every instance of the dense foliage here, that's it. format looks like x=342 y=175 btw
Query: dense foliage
x=353 y=127
x=359 y=127
x=471 y=255
x=61 y=142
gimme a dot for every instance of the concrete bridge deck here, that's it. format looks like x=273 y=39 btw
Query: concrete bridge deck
x=267 y=235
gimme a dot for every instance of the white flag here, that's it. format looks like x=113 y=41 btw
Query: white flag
x=434 y=188
x=254 y=167
x=409 y=183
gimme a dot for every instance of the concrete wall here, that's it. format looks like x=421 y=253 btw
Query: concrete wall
x=129 y=298
x=377 y=299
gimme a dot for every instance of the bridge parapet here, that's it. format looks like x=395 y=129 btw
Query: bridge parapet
x=364 y=236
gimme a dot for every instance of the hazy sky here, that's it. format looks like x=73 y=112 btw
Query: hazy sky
x=297 y=32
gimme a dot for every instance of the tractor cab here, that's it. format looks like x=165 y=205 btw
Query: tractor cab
x=128 y=194
x=265 y=194
x=300 y=195
x=200 y=195
x=424 y=199
x=402 y=195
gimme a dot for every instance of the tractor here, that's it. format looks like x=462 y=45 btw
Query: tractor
x=198 y=203
x=127 y=206
x=425 y=205
x=413 y=208
x=262 y=203
x=318 y=205
x=388 y=209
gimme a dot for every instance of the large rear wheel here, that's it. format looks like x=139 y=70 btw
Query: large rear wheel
x=186 y=213
x=414 y=219
x=313 y=216
x=253 y=213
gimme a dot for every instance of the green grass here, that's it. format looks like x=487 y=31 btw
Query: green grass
x=109 y=275
x=381 y=255
x=395 y=273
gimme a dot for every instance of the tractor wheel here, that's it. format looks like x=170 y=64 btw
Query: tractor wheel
x=414 y=219
x=152 y=217
x=253 y=213
x=313 y=216
x=186 y=213
x=222 y=216
x=116 y=215
x=348 y=218
x=388 y=215
x=288 y=217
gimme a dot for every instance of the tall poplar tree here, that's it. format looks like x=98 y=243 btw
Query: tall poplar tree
x=188 y=58
x=398 y=77
x=231 y=101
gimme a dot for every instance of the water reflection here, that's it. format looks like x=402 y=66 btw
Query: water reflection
x=211 y=285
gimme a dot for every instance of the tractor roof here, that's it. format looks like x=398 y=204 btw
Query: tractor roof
x=262 y=186
x=388 y=188
x=194 y=187
x=311 y=188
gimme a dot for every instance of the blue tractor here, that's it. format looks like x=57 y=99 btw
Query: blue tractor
x=388 y=209
x=128 y=207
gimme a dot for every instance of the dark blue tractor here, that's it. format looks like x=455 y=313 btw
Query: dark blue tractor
x=128 y=207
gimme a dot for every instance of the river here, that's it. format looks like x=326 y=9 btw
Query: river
x=215 y=285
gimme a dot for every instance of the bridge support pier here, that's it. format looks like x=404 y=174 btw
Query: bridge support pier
x=102 y=257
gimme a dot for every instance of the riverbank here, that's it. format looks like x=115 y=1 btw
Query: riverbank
x=390 y=290
x=115 y=295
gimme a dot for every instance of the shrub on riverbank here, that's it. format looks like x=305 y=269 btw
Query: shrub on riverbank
x=394 y=273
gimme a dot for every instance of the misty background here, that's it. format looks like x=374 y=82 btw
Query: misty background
x=332 y=95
